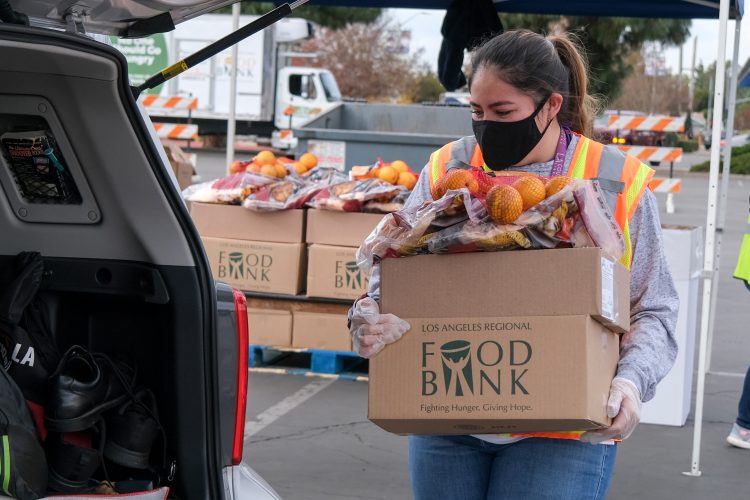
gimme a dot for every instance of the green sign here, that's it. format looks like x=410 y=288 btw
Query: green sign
x=146 y=57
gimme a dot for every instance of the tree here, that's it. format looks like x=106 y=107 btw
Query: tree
x=329 y=17
x=364 y=63
x=607 y=41
x=656 y=94
x=425 y=88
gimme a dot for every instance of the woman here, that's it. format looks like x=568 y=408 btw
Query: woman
x=531 y=112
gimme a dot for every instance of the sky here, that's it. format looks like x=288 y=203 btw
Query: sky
x=425 y=28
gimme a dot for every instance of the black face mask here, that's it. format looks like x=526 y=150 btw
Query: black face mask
x=504 y=144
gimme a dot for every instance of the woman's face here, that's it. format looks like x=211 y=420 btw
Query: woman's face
x=495 y=100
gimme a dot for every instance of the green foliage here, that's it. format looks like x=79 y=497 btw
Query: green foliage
x=740 y=162
x=704 y=78
x=330 y=17
x=690 y=146
x=426 y=88
x=607 y=41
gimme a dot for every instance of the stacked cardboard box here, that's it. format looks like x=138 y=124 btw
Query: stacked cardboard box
x=334 y=237
x=298 y=323
x=256 y=252
x=520 y=341
x=332 y=273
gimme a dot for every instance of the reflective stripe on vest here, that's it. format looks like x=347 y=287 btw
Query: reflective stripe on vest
x=590 y=160
x=742 y=270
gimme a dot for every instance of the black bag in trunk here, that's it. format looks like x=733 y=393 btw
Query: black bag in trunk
x=28 y=350
x=23 y=471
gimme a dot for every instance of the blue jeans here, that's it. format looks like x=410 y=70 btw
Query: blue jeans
x=743 y=415
x=467 y=468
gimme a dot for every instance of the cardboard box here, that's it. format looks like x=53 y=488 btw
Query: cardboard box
x=346 y=229
x=257 y=266
x=181 y=164
x=560 y=282
x=238 y=223
x=480 y=375
x=520 y=341
x=298 y=304
x=332 y=272
x=269 y=327
x=329 y=332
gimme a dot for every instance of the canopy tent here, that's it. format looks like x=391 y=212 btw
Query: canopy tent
x=723 y=10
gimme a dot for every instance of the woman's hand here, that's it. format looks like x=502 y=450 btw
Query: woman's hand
x=372 y=331
x=624 y=406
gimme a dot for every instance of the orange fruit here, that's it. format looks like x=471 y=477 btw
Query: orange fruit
x=531 y=189
x=309 y=160
x=485 y=183
x=457 y=179
x=504 y=204
x=388 y=174
x=253 y=167
x=269 y=170
x=280 y=169
x=400 y=166
x=555 y=184
x=299 y=168
x=407 y=179
x=265 y=158
x=236 y=167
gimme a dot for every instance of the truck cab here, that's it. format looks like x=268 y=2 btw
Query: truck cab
x=302 y=94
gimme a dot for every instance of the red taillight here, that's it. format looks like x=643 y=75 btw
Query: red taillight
x=240 y=307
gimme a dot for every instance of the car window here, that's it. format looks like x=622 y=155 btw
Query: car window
x=302 y=86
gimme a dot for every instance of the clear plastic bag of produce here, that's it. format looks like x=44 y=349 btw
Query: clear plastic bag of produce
x=230 y=190
x=387 y=206
x=350 y=196
x=472 y=219
x=292 y=192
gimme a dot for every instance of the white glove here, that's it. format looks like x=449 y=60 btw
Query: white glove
x=624 y=406
x=371 y=331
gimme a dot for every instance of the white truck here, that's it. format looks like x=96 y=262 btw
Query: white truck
x=270 y=96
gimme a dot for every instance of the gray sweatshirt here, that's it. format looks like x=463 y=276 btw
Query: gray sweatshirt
x=648 y=351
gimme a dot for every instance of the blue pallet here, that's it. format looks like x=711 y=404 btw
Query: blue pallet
x=311 y=360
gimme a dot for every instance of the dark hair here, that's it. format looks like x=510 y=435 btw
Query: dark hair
x=540 y=66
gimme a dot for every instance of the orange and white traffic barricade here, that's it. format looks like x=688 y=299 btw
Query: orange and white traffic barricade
x=670 y=186
x=654 y=123
x=653 y=153
x=177 y=105
x=169 y=102
x=176 y=131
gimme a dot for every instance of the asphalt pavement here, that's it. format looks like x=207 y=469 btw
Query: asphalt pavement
x=309 y=437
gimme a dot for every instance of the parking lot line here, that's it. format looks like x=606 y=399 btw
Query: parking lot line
x=284 y=406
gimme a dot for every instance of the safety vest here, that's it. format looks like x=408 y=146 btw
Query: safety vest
x=742 y=270
x=623 y=178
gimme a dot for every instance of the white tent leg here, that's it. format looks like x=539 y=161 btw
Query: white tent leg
x=708 y=261
x=231 y=122
x=724 y=190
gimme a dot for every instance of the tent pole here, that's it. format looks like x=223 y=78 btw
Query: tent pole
x=724 y=190
x=232 y=121
x=708 y=256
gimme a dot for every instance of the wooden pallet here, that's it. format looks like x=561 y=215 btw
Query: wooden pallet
x=307 y=362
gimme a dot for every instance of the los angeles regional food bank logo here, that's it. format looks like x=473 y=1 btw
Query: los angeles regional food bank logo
x=349 y=276
x=457 y=369
x=244 y=266
x=463 y=368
